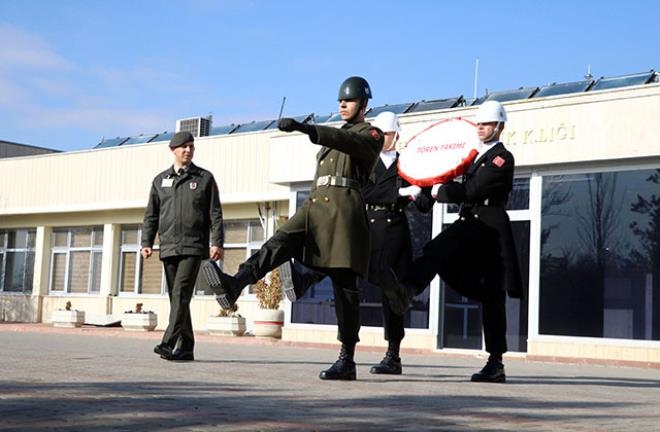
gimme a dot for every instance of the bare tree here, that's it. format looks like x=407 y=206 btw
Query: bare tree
x=598 y=223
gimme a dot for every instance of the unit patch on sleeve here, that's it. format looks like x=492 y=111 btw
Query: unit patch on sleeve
x=498 y=161
x=375 y=134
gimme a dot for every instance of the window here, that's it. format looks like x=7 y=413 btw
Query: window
x=242 y=239
x=600 y=255
x=137 y=275
x=76 y=255
x=140 y=276
x=17 y=260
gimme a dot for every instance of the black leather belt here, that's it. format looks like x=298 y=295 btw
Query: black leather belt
x=483 y=203
x=383 y=207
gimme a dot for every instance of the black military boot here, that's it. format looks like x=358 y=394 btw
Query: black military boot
x=492 y=372
x=398 y=296
x=226 y=288
x=389 y=365
x=344 y=368
x=296 y=279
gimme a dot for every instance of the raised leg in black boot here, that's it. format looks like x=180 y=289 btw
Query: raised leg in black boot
x=296 y=279
x=227 y=288
x=278 y=249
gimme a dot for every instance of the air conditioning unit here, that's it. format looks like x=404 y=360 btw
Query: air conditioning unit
x=198 y=126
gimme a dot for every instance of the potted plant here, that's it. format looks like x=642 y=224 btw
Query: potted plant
x=227 y=323
x=269 y=319
x=68 y=317
x=139 y=320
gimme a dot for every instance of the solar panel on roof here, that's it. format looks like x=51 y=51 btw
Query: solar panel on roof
x=223 y=130
x=320 y=118
x=396 y=109
x=333 y=118
x=300 y=119
x=253 y=126
x=165 y=136
x=624 y=80
x=555 y=89
x=405 y=108
x=509 y=95
x=113 y=142
x=139 y=139
x=436 y=104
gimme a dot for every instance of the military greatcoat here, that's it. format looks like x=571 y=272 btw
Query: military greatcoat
x=334 y=216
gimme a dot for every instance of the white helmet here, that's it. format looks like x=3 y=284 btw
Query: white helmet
x=387 y=121
x=490 y=111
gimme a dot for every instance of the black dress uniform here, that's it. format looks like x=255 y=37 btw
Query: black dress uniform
x=184 y=209
x=390 y=246
x=476 y=255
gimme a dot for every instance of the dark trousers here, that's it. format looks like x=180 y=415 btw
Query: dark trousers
x=467 y=257
x=180 y=274
x=390 y=247
x=493 y=319
x=393 y=324
x=283 y=246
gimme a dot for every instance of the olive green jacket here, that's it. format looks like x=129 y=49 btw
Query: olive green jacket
x=334 y=217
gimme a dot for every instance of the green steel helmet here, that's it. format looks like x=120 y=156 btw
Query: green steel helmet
x=354 y=87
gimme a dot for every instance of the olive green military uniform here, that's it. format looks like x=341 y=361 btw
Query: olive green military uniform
x=185 y=210
x=334 y=217
x=330 y=231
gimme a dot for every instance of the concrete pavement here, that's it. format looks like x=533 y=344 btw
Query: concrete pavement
x=105 y=379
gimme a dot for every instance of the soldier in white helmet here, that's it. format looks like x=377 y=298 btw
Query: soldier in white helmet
x=386 y=195
x=475 y=255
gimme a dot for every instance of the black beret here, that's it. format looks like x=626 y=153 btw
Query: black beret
x=180 y=138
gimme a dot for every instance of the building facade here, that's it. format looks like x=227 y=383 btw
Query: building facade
x=585 y=212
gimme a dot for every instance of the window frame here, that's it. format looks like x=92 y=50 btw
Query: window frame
x=25 y=249
x=134 y=248
x=94 y=249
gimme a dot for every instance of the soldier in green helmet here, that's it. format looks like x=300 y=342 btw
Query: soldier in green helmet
x=329 y=233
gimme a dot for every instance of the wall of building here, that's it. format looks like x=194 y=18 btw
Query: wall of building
x=109 y=187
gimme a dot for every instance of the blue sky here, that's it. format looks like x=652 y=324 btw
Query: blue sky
x=73 y=71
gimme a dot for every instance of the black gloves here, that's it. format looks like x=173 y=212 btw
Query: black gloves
x=287 y=124
x=450 y=192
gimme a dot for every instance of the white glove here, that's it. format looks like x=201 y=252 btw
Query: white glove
x=411 y=191
x=434 y=190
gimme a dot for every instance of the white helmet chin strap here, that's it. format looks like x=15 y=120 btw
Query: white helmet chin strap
x=492 y=136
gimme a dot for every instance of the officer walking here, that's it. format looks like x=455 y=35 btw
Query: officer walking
x=184 y=209
x=475 y=255
x=386 y=195
x=329 y=233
